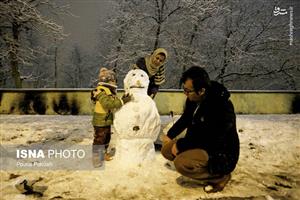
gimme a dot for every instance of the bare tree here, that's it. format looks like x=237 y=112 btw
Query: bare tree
x=18 y=18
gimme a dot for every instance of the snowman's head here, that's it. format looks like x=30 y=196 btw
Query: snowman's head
x=136 y=81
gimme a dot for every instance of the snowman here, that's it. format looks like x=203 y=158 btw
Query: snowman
x=137 y=123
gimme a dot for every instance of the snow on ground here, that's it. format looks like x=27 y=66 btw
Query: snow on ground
x=269 y=165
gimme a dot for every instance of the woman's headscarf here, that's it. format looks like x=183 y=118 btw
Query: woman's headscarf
x=152 y=68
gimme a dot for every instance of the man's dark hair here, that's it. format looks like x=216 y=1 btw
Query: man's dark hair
x=199 y=77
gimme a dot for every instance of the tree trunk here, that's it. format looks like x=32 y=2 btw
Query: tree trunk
x=14 y=71
x=120 y=40
x=157 y=37
x=225 y=61
x=13 y=56
x=226 y=52
x=55 y=66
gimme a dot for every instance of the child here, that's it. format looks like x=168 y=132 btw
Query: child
x=105 y=99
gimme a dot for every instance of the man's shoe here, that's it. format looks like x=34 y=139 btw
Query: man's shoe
x=217 y=186
x=170 y=165
x=190 y=182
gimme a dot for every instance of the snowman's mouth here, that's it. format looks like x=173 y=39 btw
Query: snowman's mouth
x=134 y=86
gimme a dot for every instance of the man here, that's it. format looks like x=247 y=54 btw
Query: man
x=210 y=149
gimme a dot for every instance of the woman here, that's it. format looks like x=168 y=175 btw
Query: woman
x=153 y=65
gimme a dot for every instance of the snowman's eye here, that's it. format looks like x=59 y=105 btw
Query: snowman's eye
x=142 y=75
x=133 y=74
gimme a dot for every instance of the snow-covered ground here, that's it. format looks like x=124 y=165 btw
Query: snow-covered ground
x=269 y=165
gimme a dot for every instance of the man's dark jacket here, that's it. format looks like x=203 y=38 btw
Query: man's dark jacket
x=212 y=127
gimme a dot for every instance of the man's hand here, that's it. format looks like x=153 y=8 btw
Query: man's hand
x=174 y=150
x=165 y=139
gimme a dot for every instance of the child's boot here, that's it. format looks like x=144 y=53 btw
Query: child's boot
x=98 y=157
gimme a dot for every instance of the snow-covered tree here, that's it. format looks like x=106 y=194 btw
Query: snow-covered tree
x=19 y=21
x=138 y=27
x=250 y=49
x=241 y=43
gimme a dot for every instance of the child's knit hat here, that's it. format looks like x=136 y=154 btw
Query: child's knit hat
x=107 y=76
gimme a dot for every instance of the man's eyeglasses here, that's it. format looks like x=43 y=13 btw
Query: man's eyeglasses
x=187 y=91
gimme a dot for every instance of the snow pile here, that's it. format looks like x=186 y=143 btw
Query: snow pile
x=268 y=167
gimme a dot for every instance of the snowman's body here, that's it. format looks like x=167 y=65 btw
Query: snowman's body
x=137 y=123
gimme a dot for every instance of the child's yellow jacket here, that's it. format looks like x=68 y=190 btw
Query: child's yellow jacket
x=106 y=102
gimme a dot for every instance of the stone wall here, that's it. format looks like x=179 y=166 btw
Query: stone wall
x=77 y=101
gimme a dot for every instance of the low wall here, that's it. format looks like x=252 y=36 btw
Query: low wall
x=77 y=101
